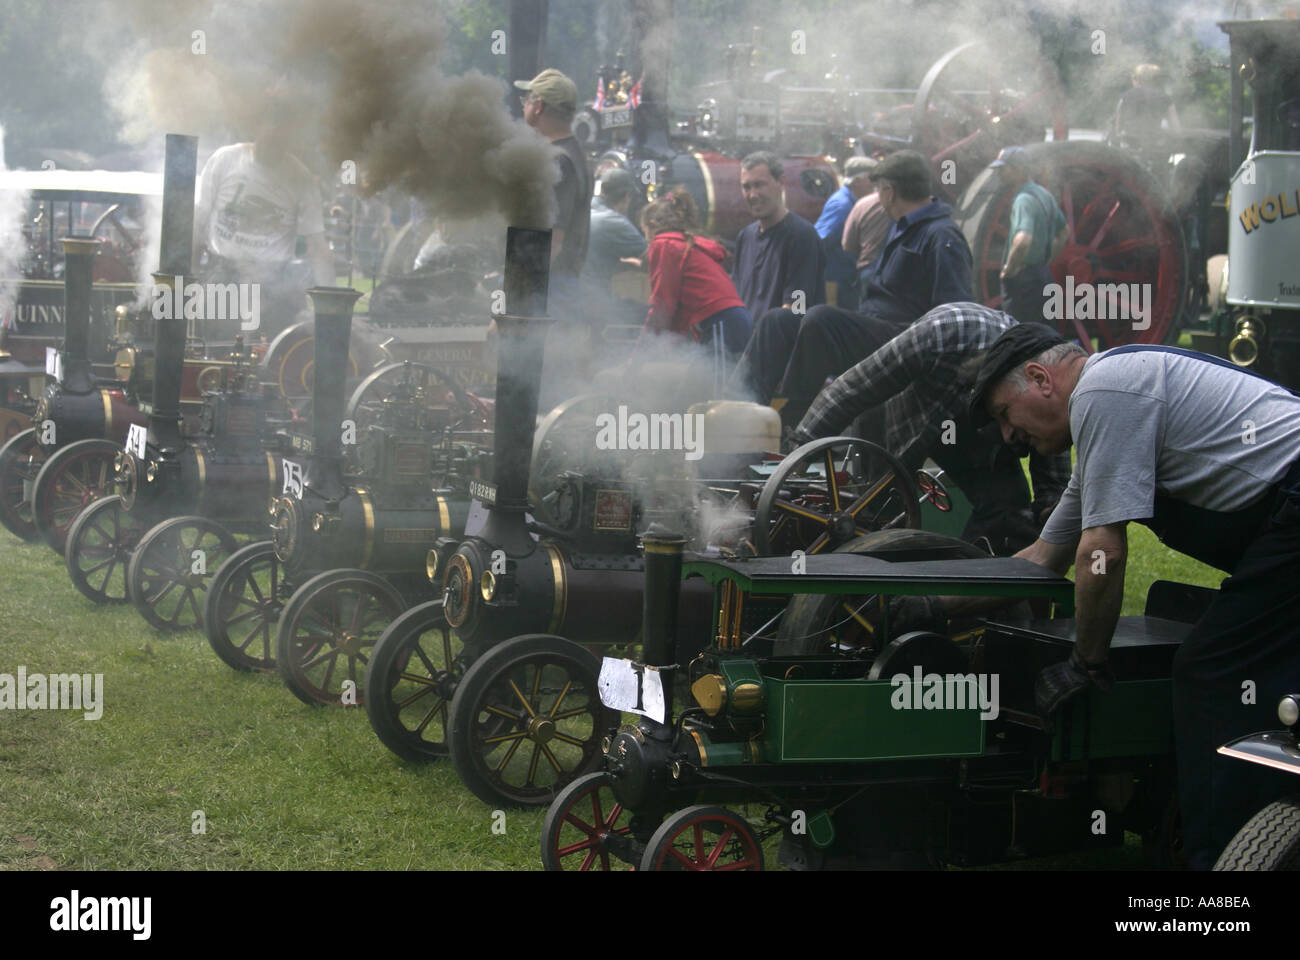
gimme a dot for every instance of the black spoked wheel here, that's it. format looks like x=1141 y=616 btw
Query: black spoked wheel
x=527 y=719
x=830 y=491
x=583 y=823
x=703 y=838
x=410 y=681
x=98 y=552
x=20 y=460
x=1270 y=840
x=170 y=569
x=243 y=606
x=848 y=623
x=70 y=480
x=326 y=632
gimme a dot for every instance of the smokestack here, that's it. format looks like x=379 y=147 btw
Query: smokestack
x=179 y=171
x=527 y=43
x=522 y=330
x=333 y=306
x=652 y=53
x=663 y=577
x=78 y=269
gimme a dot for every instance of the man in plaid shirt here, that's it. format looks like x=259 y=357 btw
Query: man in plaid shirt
x=922 y=380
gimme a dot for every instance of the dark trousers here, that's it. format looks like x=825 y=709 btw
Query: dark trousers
x=1251 y=632
x=792 y=356
x=988 y=473
x=1023 y=297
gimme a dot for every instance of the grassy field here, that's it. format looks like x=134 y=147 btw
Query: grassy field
x=280 y=785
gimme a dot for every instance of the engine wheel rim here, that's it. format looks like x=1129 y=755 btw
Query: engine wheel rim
x=414 y=669
x=67 y=486
x=100 y=544
x=579 y=823
x=703 y=838
x=245 y=600
x=326 y=637
x=1118 y=232
x=802 y=509
x=164 y=584
x=21 y=459
x=527 y=739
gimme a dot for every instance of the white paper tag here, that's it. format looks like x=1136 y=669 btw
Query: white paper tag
x=137 y=439
x=292 y=479
x=54 y=363
x=632 y=688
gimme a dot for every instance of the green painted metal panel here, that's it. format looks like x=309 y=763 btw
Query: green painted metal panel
x=842 y=720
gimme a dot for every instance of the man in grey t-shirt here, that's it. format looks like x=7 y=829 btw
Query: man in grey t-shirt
x=1208 y=456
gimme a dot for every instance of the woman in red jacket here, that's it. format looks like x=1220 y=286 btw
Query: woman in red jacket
x=690 y=294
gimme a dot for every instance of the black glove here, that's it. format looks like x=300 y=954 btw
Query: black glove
x=1061 y=682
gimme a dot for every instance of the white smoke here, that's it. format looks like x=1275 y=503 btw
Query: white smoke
x=13 y=245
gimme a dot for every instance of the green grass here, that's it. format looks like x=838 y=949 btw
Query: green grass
x=282 y=785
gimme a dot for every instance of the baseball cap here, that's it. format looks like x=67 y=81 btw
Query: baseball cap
x=1011 y=157
x=552 y=88
x=1022 y=342
x=856 y=167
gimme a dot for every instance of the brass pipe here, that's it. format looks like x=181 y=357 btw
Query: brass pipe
x=1244 y=348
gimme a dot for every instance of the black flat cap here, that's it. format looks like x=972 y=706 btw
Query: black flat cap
x=1022 y=342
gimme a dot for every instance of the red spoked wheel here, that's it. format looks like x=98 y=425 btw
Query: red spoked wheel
x=21 y=459
x=932 y=491
x=1122 y=231
x=71 y=479
x=703 y=838
x=581 y=823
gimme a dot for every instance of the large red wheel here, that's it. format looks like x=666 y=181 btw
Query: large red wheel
x=291 y=357
x=1122 y=230
x=71 y=479
x=21 y=459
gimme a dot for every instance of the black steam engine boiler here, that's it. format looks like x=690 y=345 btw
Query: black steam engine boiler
x=344 y=549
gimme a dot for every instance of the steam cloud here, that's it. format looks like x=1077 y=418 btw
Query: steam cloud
x=360 y=81
x=13 y=208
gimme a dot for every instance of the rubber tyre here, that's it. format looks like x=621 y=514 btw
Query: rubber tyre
x=484 y=691
x=404 y=653
x=1270 y=840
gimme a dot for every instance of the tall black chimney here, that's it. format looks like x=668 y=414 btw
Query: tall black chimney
x=663 y=585
x=333 y=306
x=179 y=171
x=650 y=29
x=522 y=330
x=78 y=270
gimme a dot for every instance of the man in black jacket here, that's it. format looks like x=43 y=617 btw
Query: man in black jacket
x=925 y=262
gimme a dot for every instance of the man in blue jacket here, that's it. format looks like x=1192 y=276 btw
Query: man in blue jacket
x=925 y=262
x=841 y=268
